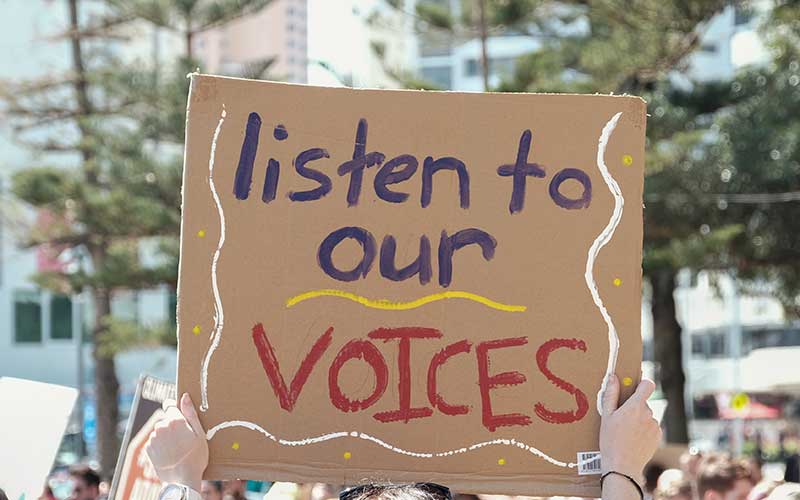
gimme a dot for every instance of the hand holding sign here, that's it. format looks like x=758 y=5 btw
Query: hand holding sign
x=177 y=447
x=629 y=435
x=364 y=271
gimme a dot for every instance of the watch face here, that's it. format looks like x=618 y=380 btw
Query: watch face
x=172 y=492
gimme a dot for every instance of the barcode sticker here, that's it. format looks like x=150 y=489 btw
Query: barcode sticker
x=588 y=463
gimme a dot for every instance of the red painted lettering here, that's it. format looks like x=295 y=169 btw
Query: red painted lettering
x=560 y=417
x=358 y=349
x=288 y=397
x=439 y=359
x=405 y=412
x=487 y=383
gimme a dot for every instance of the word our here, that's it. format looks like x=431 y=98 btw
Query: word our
x=393 y=171
x=366 y=351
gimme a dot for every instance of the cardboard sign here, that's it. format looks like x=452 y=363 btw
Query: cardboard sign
x=407 y=286
x=134 y=477
x=137 y=476
x=33 y=416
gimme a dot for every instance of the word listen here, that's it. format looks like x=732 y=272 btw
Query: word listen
x=395 y=171
x=366 y=351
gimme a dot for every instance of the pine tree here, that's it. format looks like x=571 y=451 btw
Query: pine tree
x=122 y=121
x=632 y=47
x=440 y=24
x=722 y=165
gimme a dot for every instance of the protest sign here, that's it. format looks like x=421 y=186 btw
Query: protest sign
x=134 y=477
x=32 y=422
x=404 y=285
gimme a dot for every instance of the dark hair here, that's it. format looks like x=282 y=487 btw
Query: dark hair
x=217 y=485
x=3 y=495
x=720 y=475
x=86 y=473
x=416 y=491
x=651 y=474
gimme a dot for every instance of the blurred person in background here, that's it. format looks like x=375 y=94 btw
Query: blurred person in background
x=234 y=489
x=652 y=472
x=211 y=490
x=3 y=495
x=85 y=483
x=680 y=489
x=754 y=465
x=721 y=478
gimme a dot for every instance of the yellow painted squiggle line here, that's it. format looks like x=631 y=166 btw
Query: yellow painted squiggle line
x=404 y=306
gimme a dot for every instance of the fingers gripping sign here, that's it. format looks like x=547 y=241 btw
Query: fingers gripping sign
x=177 y=446
x=629 y=435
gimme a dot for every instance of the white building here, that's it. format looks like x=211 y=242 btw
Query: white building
x=729 y=41
x=343 y=39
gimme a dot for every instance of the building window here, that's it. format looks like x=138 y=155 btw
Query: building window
x=172 y=308
x=438 y=75
x=708 y=48
x=27 y=316
x=472 y=67
x=742 y=14
x=60 y=317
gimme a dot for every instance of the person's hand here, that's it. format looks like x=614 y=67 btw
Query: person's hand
x=629 y=435
x=177 y=446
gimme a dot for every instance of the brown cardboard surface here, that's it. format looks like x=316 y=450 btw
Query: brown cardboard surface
x=256 y=273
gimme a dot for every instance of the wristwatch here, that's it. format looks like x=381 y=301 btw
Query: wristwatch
x=174 y=491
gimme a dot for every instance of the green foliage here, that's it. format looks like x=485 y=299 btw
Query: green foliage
x=435 y=14
x=186 y=16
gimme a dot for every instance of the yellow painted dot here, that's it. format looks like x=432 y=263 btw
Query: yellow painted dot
x=502 y=461
x=196 y=330
x=627 y=381
x=201 y=233
x=627 y=160
x=235 y=446
x=617 y=282
x=347 y=455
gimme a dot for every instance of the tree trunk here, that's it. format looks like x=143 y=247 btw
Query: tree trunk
x=106 y=387
x=188 y=36
x=669 y=354
x=484 y=28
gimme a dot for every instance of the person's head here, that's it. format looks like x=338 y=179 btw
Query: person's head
x=85 y=483
x=3 y=495
x=417 y=491
x=211 y=490
x=724 y=479
x=680 y=489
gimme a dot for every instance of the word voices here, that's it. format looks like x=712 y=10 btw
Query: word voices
x=366 y=351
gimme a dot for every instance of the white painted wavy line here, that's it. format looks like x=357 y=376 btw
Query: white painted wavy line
x=219 y=314
x=366 y=437
x=601 y=240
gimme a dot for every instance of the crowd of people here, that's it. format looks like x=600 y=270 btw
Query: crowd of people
x=715 y=476
x=629 y=436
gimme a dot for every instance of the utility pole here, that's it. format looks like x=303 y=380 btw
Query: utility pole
x=735 y=338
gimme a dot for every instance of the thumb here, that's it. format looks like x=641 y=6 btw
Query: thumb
x=611 y=395
x=190 y=414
